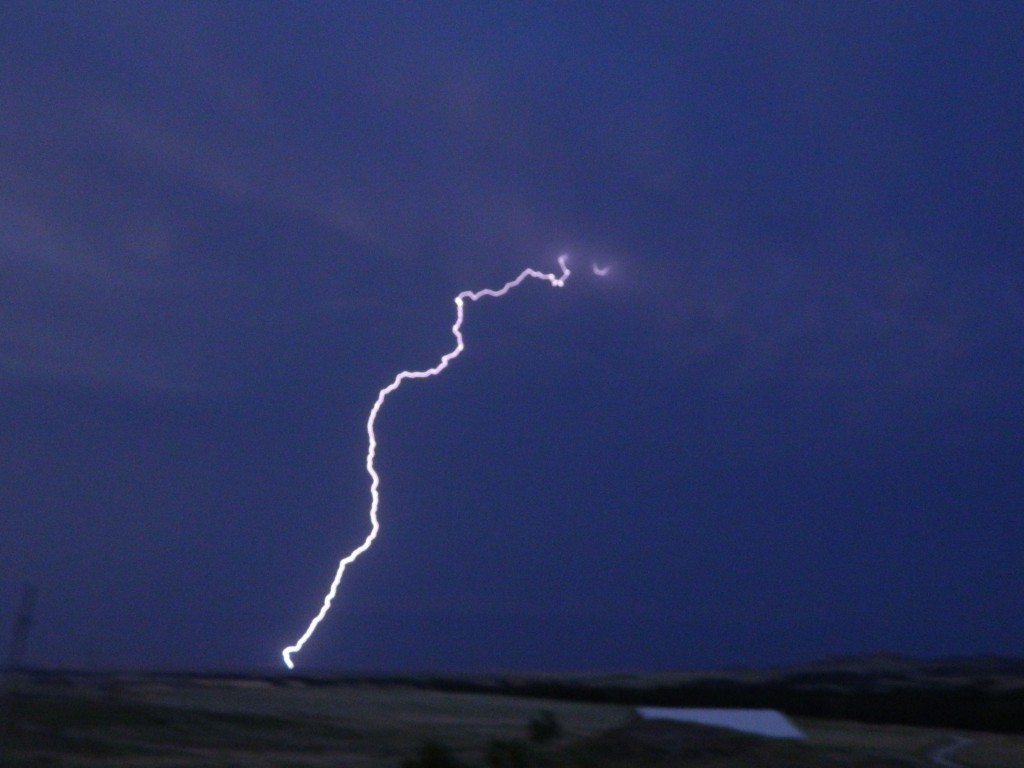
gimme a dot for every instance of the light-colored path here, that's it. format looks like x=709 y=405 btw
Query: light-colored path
x=942 y=756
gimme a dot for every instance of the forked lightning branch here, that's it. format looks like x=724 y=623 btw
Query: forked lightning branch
x=460 y=307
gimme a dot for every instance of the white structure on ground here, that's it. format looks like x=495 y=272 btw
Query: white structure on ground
x=763 y=722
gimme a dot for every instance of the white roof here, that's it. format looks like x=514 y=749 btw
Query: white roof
x=764 y=722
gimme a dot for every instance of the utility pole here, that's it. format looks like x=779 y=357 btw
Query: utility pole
x=19 y=641
x=22 y=625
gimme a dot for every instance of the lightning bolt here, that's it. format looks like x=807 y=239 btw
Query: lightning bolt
x=557 y=281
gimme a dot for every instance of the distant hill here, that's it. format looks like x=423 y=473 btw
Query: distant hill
x=983 y=693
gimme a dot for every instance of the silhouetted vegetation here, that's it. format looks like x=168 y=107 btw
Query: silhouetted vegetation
x=544 y=727
x=433 y=754
x=502 y=753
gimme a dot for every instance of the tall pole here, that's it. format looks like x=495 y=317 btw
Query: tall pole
x=22 y=625
x=19 y=642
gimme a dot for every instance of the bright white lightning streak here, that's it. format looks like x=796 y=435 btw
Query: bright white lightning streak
x=557 y=281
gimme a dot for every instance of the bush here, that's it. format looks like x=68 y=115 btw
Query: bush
x=507 y=754
x=433 y=754
x=544 y=727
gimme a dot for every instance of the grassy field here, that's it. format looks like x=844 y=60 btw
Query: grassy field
x=988 y=749
x=149 y=723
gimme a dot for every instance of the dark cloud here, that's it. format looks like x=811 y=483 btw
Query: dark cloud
x=223 y=227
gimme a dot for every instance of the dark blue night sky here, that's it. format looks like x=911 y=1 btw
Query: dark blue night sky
x=787 y=425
